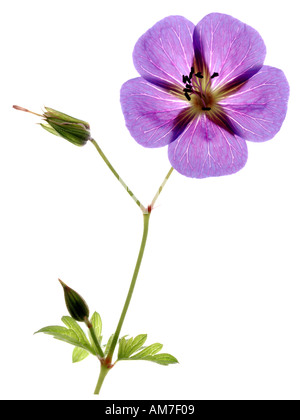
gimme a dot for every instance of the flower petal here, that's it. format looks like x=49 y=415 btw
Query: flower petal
x=165 y=52
x=258 y=108
x=228 y=47
x=153 y=116
x=205 y=150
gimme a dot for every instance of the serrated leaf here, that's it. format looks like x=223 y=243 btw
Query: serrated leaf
x=61 y=333
x=130 y=346
x=73 y=325
x=137 y=343
x=148 y=351
x=162 y=359
x=127 y=346
x=66 y=335
x=79 y=355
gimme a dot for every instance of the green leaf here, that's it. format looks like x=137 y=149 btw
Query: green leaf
x=61 y=333
x=130 y=346
x=127 y=348
x=97 y=325
x=122 y=346
x=148 y=351
x=107 y=346
x=79 y=355
x=67 y=335
x=162 y=359
x=74 y=326
x=137 y=343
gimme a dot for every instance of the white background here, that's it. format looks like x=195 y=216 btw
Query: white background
x=220 y=282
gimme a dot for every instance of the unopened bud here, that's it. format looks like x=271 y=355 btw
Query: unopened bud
x=76 y=305
x=72 y=129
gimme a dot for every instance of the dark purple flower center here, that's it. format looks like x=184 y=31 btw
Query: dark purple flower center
x=198 y=90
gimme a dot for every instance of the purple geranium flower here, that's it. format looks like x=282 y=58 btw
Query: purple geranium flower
x=204 y=90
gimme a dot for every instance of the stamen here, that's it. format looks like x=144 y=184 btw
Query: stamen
x=212 y=77
x=191 y=72
x=196 y=87
x=187 y=96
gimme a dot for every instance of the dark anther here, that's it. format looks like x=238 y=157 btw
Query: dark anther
x=199 y=75
x=206 y=109
x=186 y=79
x=188 y=90
x=187 y=96
x=191 y=72
x=188 y=86
x=214 y=75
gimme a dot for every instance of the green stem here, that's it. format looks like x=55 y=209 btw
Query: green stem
x=144 y=210
x=103 y=372
x=161 y=187
x=146 y=217
x=94 y=337
x=106 y=362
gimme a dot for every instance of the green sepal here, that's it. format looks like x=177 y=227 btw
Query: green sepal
x=52 y=113
x=50 y=129
x=73 y=134
x=72 y=129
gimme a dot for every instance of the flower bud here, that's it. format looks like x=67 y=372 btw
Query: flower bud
x=76 y=305
x=62 y=125
x=74 y=130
